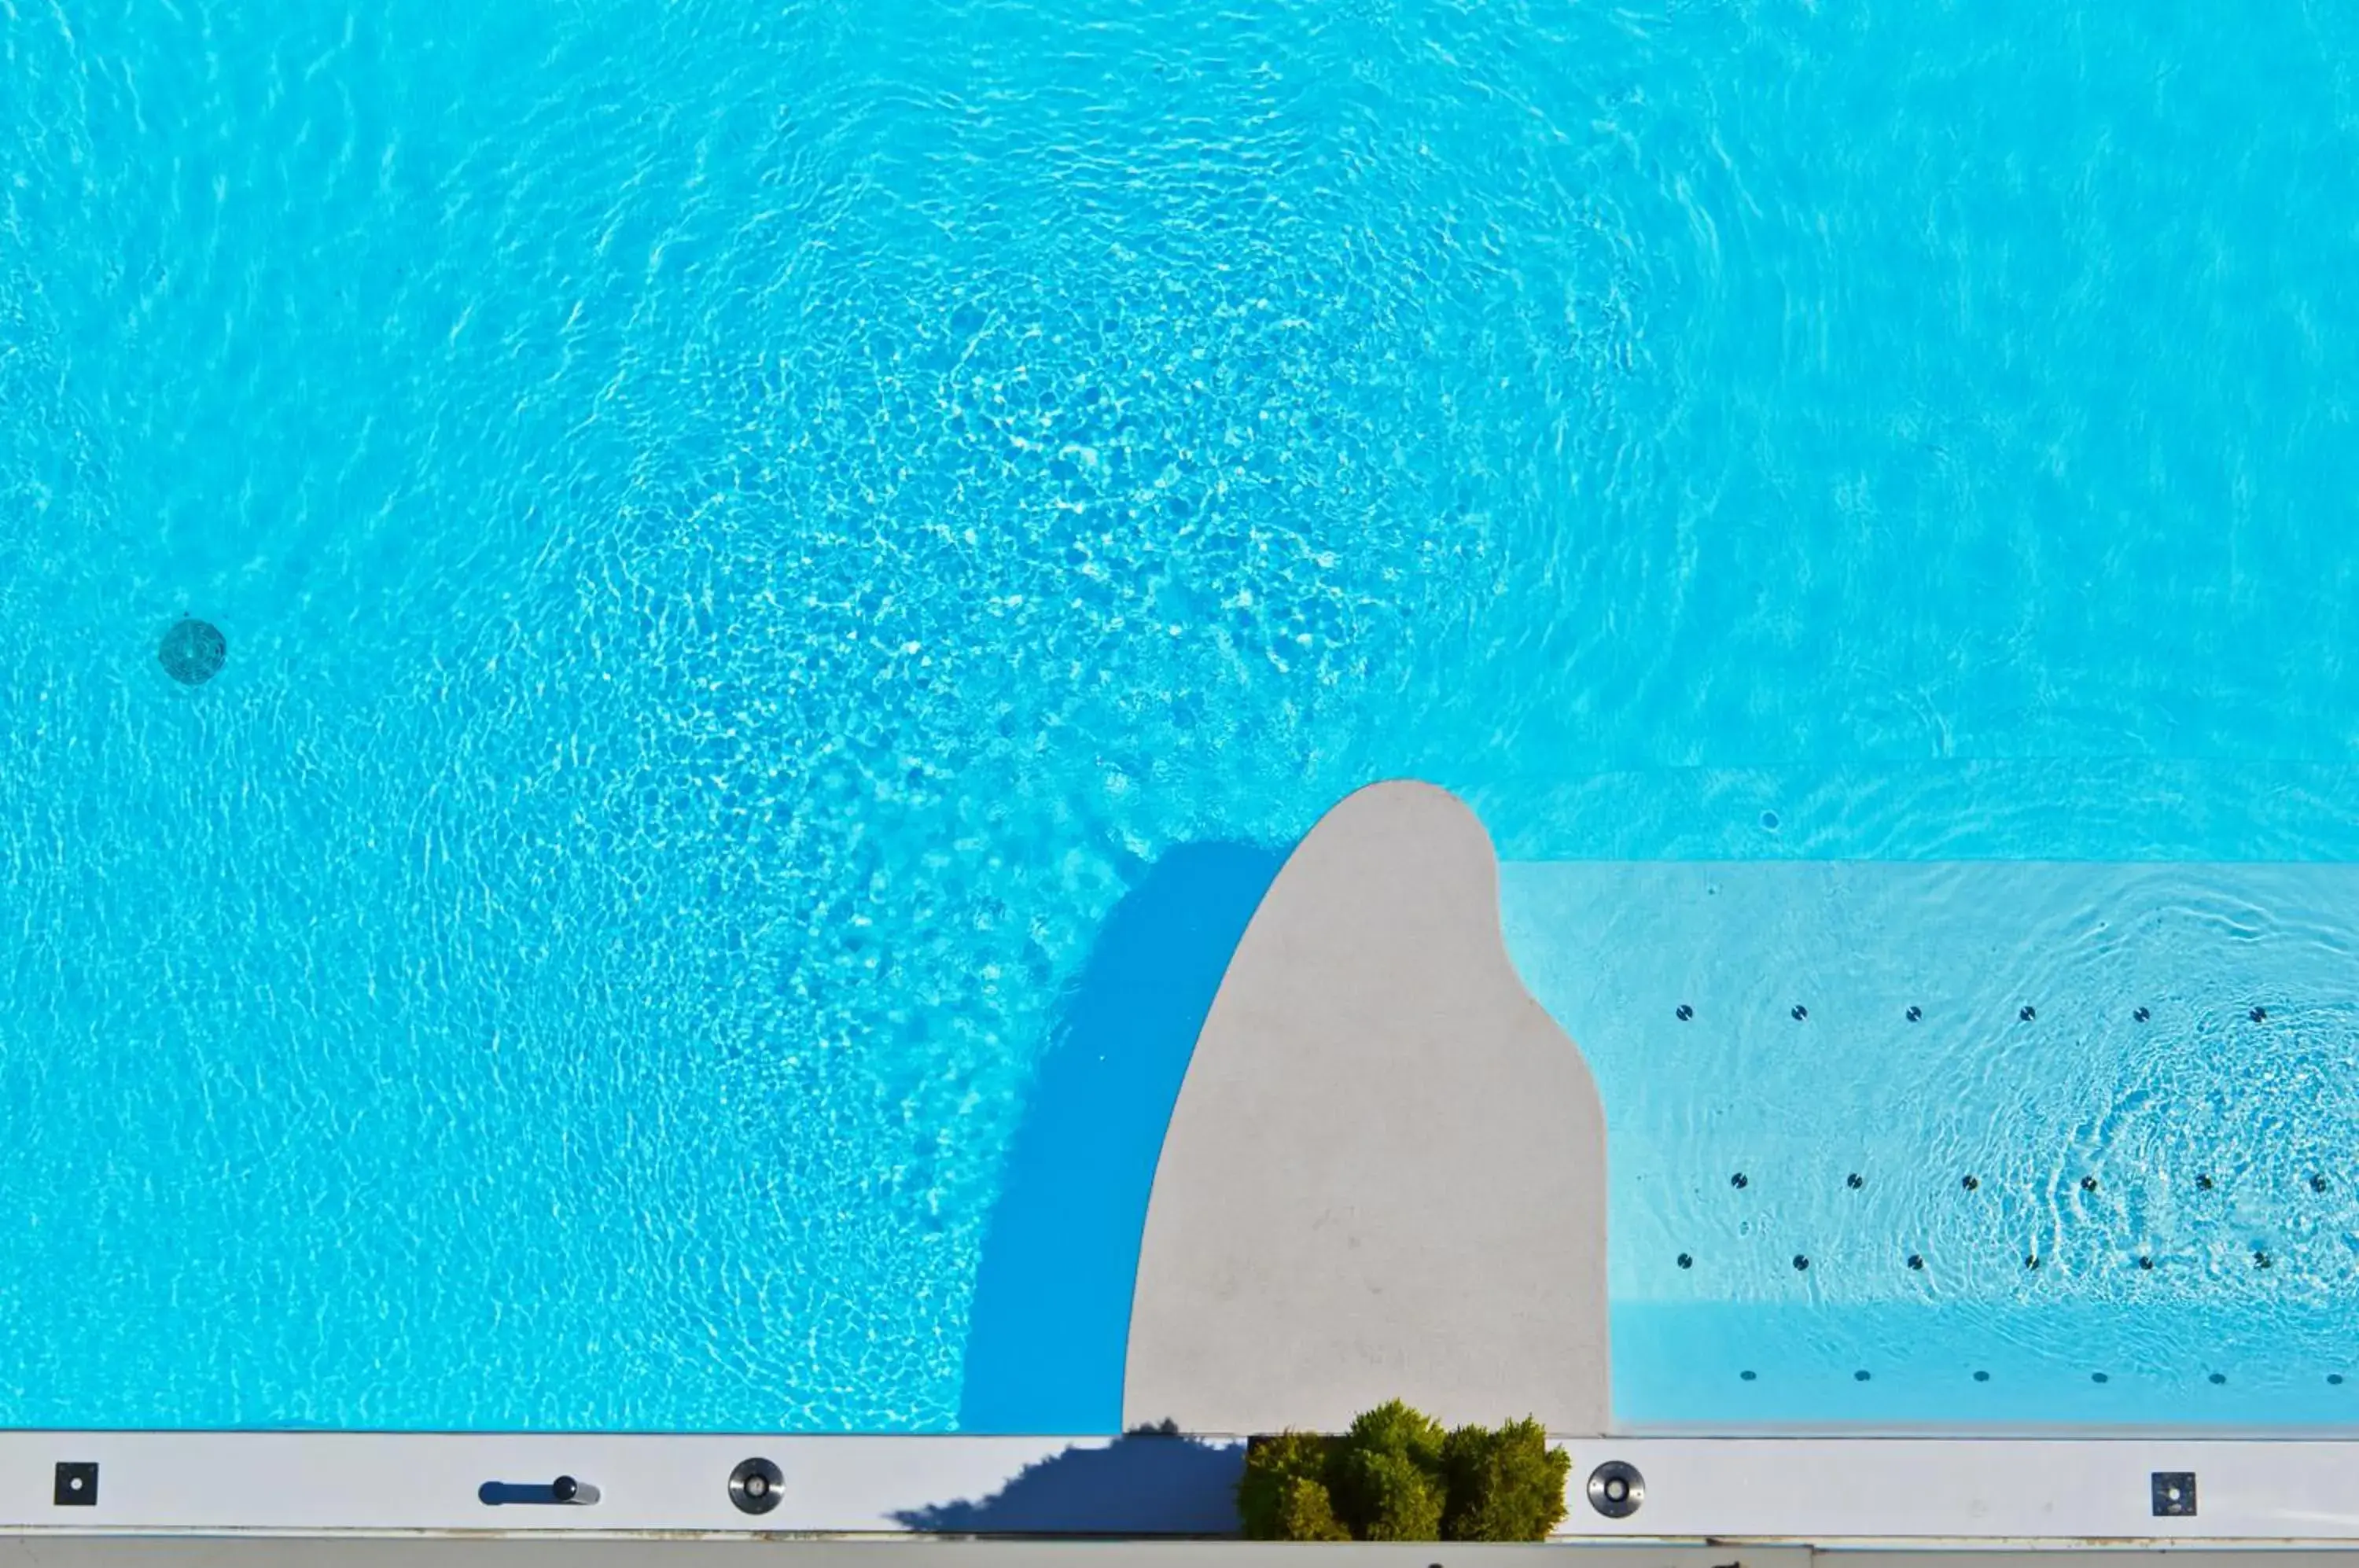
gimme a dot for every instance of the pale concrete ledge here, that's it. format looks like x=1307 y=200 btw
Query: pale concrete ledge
x=1385 y=1174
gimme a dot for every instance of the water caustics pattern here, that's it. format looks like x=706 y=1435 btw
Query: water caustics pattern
x=742 y=533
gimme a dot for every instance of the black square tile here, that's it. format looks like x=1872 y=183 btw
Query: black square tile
x=77 y=1485
x=2174 y=1494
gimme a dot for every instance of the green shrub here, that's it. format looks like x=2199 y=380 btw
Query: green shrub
x=1394 y=1428
x=1270 y=1492
x=1386 y=1495
x=1503 y=1484
x=1305 y=1513
x=1386 y=1475
x=1396 y=1475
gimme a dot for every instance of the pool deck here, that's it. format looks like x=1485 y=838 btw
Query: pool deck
x=1385 y=1174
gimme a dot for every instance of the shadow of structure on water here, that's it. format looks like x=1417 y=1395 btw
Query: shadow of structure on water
x=1052 y=1298
x=1143 y=1484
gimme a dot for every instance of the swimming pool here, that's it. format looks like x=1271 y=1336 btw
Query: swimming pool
x=742 y=538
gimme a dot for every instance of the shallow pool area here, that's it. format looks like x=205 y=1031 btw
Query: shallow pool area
x=756 y=554
x=1999 y=1144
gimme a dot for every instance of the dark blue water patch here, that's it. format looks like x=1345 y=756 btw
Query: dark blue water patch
x=193 y=651
x=1051 y=1313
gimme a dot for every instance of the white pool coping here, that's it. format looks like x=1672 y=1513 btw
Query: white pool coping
x=247 y=1551
x=423 y=1481
x=1816 y=1490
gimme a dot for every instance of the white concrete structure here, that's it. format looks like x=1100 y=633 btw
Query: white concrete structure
x=1385 y=1174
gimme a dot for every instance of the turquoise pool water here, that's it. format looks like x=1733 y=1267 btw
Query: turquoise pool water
x=745 y=535
x=2049 y=1142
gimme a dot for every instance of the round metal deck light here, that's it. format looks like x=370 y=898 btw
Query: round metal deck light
x=1616 y=1489
x=754 y=1486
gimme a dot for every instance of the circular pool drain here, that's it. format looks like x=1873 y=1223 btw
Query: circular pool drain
x=754 y=1486
x=1616 y=1489
x=193 y=651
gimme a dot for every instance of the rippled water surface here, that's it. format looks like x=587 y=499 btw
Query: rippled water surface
x=742 y=532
